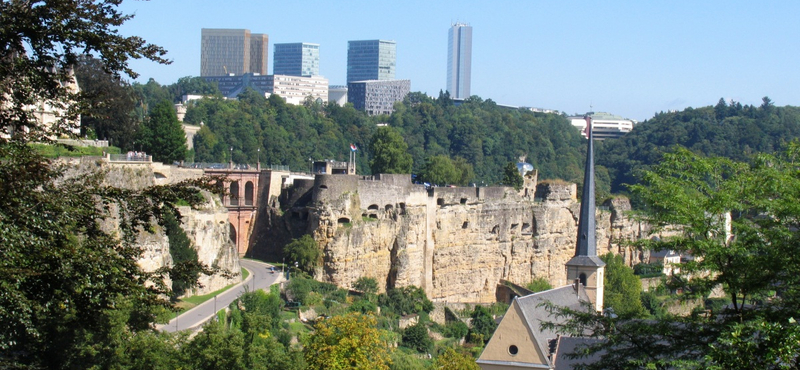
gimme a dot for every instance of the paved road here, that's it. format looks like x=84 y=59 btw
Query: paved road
x=259 y=278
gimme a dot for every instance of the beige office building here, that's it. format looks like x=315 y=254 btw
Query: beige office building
x=232 y=51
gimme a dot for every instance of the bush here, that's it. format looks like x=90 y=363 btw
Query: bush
x=405 y=301
x=483 y=326
x=416 y=337
x=305 y=252
x=539 y=284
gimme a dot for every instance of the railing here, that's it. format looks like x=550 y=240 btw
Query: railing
x=236 y=166
x=130 y=157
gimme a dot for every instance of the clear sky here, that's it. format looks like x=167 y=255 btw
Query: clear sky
x=631 y=58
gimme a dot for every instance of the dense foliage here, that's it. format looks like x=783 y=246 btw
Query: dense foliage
x=161 y=135
x=305 y=252
x=754 y=260
x=622 y=288
x=728 y=130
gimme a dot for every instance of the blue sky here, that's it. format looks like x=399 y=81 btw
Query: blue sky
x=631 y=58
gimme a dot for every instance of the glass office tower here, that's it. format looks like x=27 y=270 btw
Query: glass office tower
x=459 y=60
x=296 y=59
x=371 y=60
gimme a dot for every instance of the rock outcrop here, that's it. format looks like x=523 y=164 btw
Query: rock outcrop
x=207 y=226
x=456 y=243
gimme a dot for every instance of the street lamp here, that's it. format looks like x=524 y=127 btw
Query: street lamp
x=311 y=165
x=258 y=164
x=231 y=157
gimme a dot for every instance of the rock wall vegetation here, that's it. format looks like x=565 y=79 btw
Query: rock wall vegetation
x=456 y=243
x=206 y=227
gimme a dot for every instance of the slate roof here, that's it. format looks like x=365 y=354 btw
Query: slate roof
x=567 y=345
x=535 y=314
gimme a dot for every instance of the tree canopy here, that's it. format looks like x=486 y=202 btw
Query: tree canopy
x=739 y=222
x=350 y=341
x=389 y=152
x=162 y=136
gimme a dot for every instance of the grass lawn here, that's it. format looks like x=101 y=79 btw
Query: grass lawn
x=187 y=304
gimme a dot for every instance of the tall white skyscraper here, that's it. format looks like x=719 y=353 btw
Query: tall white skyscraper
x=459 y=60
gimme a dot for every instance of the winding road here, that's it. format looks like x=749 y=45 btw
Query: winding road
x=260 y=278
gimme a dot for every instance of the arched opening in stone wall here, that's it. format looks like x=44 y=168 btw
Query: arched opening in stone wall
x=233 y=234
x=463 y=200
x=343 y=220
x=373 y=216
x=495 y=228
x=388 y=207
x=373 y=207
x=582 y=278
x=234 y=193
x=514 y=226
x=248 y=193
x=159 y=175
x=323 y=186
x=526 y=228
x=465 y=225
x=440 y=202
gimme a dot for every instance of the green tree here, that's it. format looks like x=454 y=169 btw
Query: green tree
x=539 y=284
x=111 y=103
x=184 y=256
x=367 y=285
x=71 y=290
x=450 y=359
x=305 y=252
x=440 y=170
x=482 y=326
x=162 y=135
x=40 y=44
x=623 y=289
x=406 y=300
x=750 y=255
x=511 y=176
x=416 y=337
x=389 y=152
x=216 y=348
x=351 y=341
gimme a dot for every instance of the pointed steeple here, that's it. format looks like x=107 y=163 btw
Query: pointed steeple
x=585 y=266
x=586 y=247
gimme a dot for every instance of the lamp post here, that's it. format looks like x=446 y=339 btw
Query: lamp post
x=310 y=165
x=258 y=164
x=231 y=157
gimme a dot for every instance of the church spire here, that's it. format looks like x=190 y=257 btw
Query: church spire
x=586 y=248
x=585 y=266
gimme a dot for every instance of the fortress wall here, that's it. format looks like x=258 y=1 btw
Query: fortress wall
x=330 y=187
x=457 y=251
x=460 y=195
x=493 y=192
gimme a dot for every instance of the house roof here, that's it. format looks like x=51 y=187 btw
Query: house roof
x=663 y=253
x=534 y=314
x=568 y=345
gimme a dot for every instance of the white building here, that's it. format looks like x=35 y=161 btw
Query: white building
x=604 y=125
x=295 y=89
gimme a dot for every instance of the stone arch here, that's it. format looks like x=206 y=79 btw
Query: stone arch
x=248 y=193
x=233 y=233
x=159 y=175
x=234 y=193
x=388 y=207
x=373 y=207
x=343 y=220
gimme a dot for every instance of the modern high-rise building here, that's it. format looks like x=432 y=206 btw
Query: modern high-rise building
x=377 y=96
x=232 y=51
x=296 y=59
x=371 y=60
x=459 y=60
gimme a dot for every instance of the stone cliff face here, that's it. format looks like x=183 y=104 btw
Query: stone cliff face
x=207 y=227
x=456 y=243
